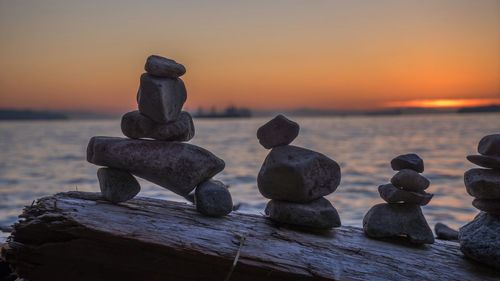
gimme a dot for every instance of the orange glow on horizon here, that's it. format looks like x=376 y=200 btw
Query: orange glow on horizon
x=443 y=103
x=340 y=55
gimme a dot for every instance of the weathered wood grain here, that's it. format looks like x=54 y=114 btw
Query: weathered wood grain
x=79 y=236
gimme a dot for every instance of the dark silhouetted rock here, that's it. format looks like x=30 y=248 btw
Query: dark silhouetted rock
x=445 y=232
x=318 y=214
x=177 y=166
x=410 y=180
x=136 y=126
x=492 y=162
x=296 y=174
x=480 y=239
x=117 y=185
x=491 y=206
x=396 y=220
x=6 y=273
x=408 y=161
x=161 y=99
x=277 y=132
x=163 y=67
x=392 y=194
x=489 y=145
x=213 y=199
x=483 y=183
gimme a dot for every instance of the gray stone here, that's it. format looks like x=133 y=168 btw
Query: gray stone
x=410 y=180
x=445 y=232
x=163 y=67
x=480 y=239
x=177 y=166
x=492 y=162
x=483 y=183
x=161 y=99
x=408 y=161
x=136 y=126
x=296 y=174
x=392 y=194
x=489 y=145
x=397 y=220
x=117 y=185
x=491 y=206
x=318 y=214
x=212 y=198
x=277 y=132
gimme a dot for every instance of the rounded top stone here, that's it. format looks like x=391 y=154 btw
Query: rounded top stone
x=489 y=145
x=278 y=131
x=163 y=67
x=408 y=161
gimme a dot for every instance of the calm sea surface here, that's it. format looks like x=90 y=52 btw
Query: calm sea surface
x=45 y=157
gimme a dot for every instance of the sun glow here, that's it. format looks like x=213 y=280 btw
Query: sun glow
x=443 y=103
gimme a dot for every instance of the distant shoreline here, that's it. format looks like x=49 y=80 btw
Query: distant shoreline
x=35 y=115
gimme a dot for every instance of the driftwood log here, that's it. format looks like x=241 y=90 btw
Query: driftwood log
x=79 y=236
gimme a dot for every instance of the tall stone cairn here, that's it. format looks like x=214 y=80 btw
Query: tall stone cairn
x=296 y=179
x=480 y=238
x=156 y=148
x=402 y=216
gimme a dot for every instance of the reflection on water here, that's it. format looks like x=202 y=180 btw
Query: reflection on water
x=41 y=158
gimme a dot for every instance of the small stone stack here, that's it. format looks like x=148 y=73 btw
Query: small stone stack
x=402 y=216
x=155 y=150
x=480 y=238
x=296 y=179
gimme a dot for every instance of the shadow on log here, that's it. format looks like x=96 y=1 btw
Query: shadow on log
x=79 y=236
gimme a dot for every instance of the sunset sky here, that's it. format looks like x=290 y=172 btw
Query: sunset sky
x=88 y=55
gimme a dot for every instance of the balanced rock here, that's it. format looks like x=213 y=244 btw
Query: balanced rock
x=396 y=220
x=117 y=185
x=163 y=67
x=392 y=194
x=492 y=162
x=491 y=206
x=489 y=145
x=296 y=174
x=136 y=126
x=161 y=99
x=277 y=132
x=410 y=180
x=480 y=239
x=177 y=166
x=408 y=161
x=483 y=183
x=445 y=232
x=317 y=214
x=213 y=199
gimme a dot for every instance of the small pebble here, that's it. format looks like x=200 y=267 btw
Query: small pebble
x=491 y=162
x=163 y=67
x=212 y=198
x=410 y=180
x=392 y=194
x=117 y=185
x=408 y=161
x=483 y=183
x=277 y=132
x=491 y=206
x=445 y=232
x=489 y=145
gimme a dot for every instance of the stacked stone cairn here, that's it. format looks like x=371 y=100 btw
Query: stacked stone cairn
x=296 y=179
x=155 y=149
x=480 y=238
x=402 y=216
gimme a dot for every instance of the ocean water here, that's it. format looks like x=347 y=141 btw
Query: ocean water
x=44 y=157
